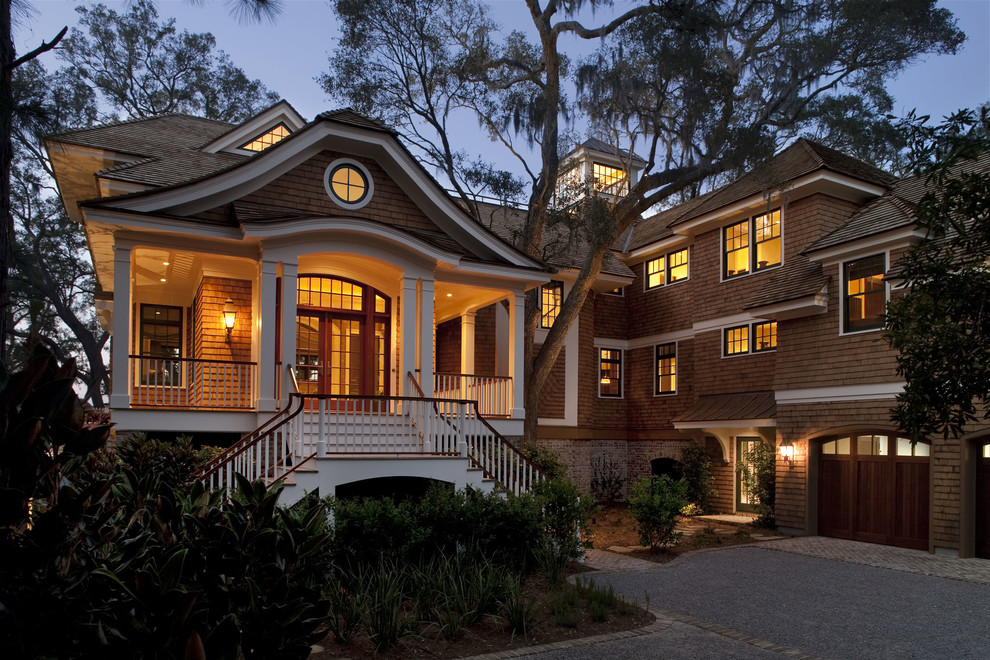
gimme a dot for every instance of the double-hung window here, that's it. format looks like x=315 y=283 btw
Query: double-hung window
x=749 y=338
x=610 y=383
x=751 y=245
x=666 y=369
x=667 y=269
x=864 y=296
x=551 y=297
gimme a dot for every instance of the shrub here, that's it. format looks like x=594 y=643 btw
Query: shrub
x=758 y=474
x=565 y=513
x=655 y=503
x=698 y=481
x=607 y=483
x=547 y=460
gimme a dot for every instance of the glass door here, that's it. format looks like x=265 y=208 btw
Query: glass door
x=746 y=474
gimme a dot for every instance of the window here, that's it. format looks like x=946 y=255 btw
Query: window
x=617 y=291
x=610 y=383
x=161 y=345
x=864 y=294
x=551 y=296
x=667 y=269
x=751 y=338
x=666 y=369
x=751 y=245
x=268 y=139
x=348 y=183
x=737 y=340
x=608 y=179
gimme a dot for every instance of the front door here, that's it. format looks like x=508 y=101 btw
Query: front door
x=336 y=353
x=746 y=474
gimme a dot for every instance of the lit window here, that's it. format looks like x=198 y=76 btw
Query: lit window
x=551 y=296
x=608 y=179
x=266 y=140
x=161 y=345
x=737 y=340
x=751 y=245
x=666 y=369
x=617 y=291
x=765 y=336
x=864 y=294
x=610 y=383
x=348 y=184
x=667 y=269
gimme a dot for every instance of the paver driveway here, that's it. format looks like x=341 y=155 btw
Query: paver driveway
x=755 y=602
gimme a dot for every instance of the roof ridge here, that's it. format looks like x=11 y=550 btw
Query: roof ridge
x=124 y=166
x=134 y=120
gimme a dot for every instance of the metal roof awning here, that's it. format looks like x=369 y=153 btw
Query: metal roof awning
x=752 y=409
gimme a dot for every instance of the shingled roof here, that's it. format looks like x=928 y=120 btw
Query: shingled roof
x=731 y=407
x=796 y=279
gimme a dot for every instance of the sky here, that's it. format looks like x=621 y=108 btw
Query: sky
x=290 y=54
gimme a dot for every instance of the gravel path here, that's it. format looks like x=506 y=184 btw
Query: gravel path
x=803 y=604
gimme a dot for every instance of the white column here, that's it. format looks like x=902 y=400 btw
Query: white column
x=467 y=342
x=120 y=392
x=288 y=333
x=426 y=336
x=407 y=338
x=517 y=354
x=265 y=327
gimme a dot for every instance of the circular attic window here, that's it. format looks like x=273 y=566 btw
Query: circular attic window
x=348 y=183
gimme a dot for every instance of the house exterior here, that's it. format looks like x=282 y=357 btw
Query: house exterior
x=753 y=314
x=308 y=286
x=240 y=265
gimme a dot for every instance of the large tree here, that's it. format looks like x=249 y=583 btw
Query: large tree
x=123 y=66
x=941 y=325
x=699 y=88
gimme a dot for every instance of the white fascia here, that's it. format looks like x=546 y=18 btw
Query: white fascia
x=822 y=180
x=865 y=247
x=792 y=309
x=152 y=223
x=657 y=248
x=722 y=322
x=244 y=179
x=281 y=112
x=727 y=424
x=873 y=391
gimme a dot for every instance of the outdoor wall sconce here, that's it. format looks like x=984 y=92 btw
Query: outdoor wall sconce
x=787 y=452
x=229 y=316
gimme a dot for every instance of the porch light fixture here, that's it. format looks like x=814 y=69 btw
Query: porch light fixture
x=229 y=316
x=787 y=452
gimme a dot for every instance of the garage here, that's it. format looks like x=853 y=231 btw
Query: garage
x=983 y=502
x=874 y=488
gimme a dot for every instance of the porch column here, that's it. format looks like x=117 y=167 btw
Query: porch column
x=517 y=353
x=407 y=339
x=467 y=342
x=266 y=337
x=120 y=388
x=288 y=334
x=427 y=332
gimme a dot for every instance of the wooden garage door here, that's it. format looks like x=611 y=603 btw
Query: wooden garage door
x=875 y=488
x=983 y=503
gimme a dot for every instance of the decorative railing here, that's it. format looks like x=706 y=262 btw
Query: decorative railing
x=317 y=426
x=493 y=393
x=191 y=383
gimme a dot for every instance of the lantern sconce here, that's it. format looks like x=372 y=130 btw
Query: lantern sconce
x=229 y=316
x=787 y=452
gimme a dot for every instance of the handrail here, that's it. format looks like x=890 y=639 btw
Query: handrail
x=415 y=383
x=512 y=449
x=295 y=380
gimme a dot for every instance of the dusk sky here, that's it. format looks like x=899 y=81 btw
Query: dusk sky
x=290 y=54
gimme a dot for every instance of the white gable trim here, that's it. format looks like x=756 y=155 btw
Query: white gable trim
x=242 y=180
x=280 y=113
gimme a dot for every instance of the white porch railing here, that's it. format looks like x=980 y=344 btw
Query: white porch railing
x=322 y=426
x=191 y=383
x=493 y=393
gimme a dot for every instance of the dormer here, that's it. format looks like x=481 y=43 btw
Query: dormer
x=264 y=130
x=594 y=167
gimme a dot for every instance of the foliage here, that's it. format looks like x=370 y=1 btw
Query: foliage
x=565 y=512
x=940 y=325
x=655 y=503
x=697 y=475
x=607 y=483
x=757 y=470
x=700 y=89
x=546 y=459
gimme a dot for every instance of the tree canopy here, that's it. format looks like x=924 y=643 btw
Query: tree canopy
x=698 y=89
x=941 y=325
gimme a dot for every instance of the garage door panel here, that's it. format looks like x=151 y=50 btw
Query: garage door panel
x=912 y=500
x=873 y=502
x=834 y=501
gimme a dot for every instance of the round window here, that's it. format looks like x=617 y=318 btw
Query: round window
x=348 y=184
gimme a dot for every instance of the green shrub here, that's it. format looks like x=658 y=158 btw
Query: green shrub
x=517 y=610
x=547 y=460
x=655 y=503
x=607 y=483
x=697 y=476
x=565 y=512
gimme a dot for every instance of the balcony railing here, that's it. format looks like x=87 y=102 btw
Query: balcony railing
x=191 y=383
x=493 y=393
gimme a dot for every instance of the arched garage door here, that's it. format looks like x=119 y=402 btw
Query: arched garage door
x=874 y=488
